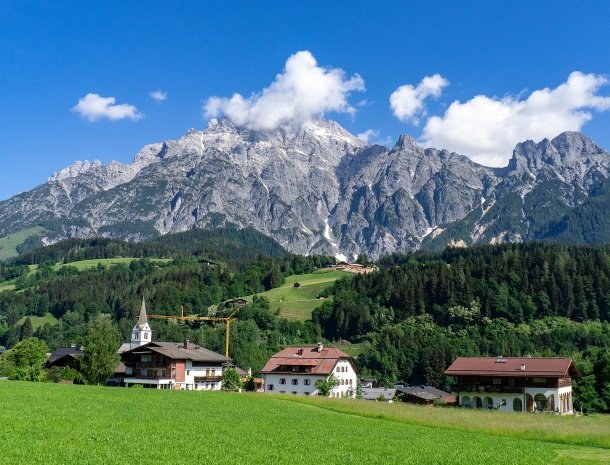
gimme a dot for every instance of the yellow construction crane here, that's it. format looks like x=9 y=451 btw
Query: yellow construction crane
x=181 y=317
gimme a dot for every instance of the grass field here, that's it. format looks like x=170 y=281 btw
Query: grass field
x=38 y=321
x=88 y=264
x=9 y=242
x=81 y=266
x=298 y=303
x=59 y=424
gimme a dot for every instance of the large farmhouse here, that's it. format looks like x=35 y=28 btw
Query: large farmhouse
x=295 y=370
x=520 y=384
x=168 y=365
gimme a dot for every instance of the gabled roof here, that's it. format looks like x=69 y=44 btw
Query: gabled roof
x=63 y=352
x=375 y=393
x=321 y=362
x=177 y=351
x=560 y=367
x=426 y=392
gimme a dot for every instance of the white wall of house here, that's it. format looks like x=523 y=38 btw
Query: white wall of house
x=500 y=401
x=304 y=383
x=193 y=372
x=505 y=402
x=348 y=378
x=291 y=383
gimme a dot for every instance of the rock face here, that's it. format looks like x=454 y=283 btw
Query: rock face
x=315 y=189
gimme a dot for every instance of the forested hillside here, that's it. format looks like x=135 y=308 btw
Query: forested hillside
x=235 y=247
x=411 y=318
x=421 y=311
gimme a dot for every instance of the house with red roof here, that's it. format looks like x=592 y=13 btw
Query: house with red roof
x=519 y=384
x=296 y=369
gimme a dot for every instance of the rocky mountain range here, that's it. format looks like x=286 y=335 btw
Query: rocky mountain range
x=319 y=189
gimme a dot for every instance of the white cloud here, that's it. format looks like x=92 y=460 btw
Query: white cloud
x=488 y=128
x=94 y=107
x=371 y=136
x=301 y=92
x=368 y=135
x=407 y=102
x=158 y=96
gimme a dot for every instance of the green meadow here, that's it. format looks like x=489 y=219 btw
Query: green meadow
x=9 y=243
x=63 y=424
x=298 y=302
x=81 y=265
x=38 y=321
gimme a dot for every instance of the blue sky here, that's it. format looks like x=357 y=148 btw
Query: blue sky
x=54 y=53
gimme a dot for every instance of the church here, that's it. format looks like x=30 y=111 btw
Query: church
x=167 y=365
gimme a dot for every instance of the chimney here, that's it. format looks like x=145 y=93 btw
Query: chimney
x=299 y=351
x=523 y=367
x=320 y=347
x=186 y=343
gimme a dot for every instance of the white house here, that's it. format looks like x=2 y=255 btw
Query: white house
x=519 y=384
x=296 y=369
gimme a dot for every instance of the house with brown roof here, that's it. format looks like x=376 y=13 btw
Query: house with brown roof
x=296 y=369
x=170 y=365
x=166 y=365
x=519 y=384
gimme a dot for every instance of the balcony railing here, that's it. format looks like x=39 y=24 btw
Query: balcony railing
x=486 y=388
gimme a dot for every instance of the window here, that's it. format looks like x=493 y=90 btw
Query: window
x=351 y=382
x=282 y=380
x=270 y=387
x=145 y=335
x=306 y=393
x=496 y=381
x=338 y=369
x=146 y=358
x=539 y=380
x=295 y=381
x=517 y=405
x=307 y=382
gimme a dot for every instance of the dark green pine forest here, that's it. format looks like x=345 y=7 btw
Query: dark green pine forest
x=408 y=320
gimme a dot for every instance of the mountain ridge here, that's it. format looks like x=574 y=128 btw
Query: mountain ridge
x=316 y=188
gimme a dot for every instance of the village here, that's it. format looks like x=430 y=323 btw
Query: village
x=508 y=384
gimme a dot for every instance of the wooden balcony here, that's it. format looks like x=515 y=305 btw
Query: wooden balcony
x=486 y=388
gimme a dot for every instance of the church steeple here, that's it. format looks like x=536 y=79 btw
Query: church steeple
x=141 y=333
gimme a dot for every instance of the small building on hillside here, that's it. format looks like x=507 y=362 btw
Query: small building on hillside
x=66 y=357
x=520 y=384
x=424 y=395
x=378 y=394
x=296 y=369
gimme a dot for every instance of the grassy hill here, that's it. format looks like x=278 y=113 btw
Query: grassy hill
x=46 y=423
x=298 y=302
x=38 y=321
x=81 y=265
x=9 y=243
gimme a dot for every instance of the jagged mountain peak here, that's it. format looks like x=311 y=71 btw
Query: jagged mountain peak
x=315 y=188
x=406 y=143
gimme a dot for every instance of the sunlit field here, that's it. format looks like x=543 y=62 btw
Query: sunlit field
x=59 y=424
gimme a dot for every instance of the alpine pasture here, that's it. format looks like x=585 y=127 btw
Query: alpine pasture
x=63 y=424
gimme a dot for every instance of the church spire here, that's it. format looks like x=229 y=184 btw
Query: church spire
x=141 y=333
x=143 y=318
